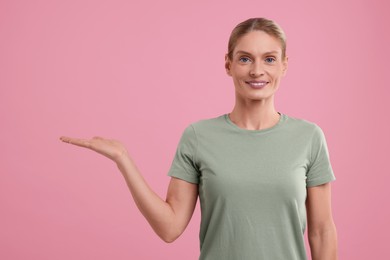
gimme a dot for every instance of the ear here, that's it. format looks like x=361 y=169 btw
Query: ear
x=285 y=66
x=227 y=65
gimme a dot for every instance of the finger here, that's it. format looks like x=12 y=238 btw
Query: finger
x=76 y=141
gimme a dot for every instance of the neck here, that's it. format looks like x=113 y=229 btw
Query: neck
x=254 y=115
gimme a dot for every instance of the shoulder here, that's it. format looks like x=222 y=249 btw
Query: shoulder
x=207 y=124
x=302 y=125
x=312 y=131
x=200 y=128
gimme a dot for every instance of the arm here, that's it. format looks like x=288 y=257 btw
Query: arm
x=168 y=218
x=322 y=232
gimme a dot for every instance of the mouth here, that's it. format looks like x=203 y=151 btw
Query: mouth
x=257 y=83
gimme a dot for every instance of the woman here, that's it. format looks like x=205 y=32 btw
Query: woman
x=260 y=175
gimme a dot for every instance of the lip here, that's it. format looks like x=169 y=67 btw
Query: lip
x=257 y=84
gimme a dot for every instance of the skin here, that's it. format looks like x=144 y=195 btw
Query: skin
x=168 y=218
x=322 y=233
x=257 y=56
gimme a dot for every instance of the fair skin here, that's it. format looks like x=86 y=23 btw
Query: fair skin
x=256 y=58
x=168 y=218
x=322 y=231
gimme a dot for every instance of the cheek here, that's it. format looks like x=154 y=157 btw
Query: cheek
x=277 y=72
x=239 y=71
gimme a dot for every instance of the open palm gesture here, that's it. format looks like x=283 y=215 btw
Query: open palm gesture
x=112 y=149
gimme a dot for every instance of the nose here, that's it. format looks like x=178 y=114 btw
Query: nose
x=256 y=69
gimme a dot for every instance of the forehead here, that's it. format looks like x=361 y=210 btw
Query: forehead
x=257 y=43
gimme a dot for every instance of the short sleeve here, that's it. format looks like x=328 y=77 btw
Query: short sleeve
x=183 y=165
x=320 y=169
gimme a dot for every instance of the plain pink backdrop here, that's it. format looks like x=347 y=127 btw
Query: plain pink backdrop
x=141 y=72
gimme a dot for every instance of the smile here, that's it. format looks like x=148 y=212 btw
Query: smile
x=257 y=84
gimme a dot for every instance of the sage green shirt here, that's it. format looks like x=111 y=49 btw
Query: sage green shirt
x=252 y=185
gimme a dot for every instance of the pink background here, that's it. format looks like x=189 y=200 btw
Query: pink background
x=141 y=72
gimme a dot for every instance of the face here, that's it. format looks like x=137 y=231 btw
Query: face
x=256 y=66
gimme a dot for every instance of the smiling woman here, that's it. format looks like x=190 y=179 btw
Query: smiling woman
x=256 y=62
x=260 y=174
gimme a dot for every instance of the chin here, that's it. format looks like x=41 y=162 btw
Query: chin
x=259 y=97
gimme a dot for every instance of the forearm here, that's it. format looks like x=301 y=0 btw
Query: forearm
x=323 y=244
x=157 y=212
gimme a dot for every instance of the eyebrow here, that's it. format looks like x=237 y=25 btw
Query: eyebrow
x=247 y=53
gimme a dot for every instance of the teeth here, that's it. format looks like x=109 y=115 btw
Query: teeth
x=257 y=84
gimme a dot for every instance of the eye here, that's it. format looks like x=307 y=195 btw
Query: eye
x=244 y=59
x=270 y=60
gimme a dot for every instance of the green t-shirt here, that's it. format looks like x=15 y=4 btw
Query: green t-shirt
x=252 y=185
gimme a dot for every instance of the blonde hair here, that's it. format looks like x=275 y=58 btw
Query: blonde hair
x=256 y=24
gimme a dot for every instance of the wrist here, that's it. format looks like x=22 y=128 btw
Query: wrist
x=122 y=158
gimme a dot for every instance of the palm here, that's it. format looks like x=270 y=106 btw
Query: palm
x=112 y=149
